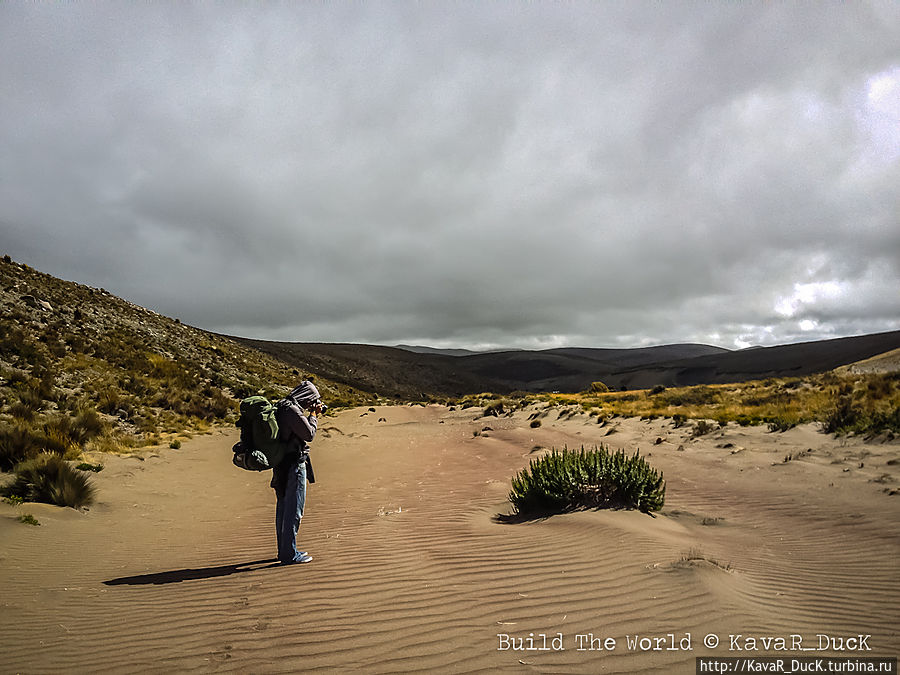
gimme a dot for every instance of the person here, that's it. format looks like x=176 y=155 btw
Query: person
x=290 y=476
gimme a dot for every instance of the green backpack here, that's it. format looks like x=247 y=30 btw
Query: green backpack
x=259 y=448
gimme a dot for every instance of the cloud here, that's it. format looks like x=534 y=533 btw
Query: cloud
x=474 y=175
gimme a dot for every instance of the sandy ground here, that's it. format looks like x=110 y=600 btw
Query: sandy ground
x=172 y=571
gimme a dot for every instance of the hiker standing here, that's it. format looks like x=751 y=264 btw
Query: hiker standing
x=290 y=476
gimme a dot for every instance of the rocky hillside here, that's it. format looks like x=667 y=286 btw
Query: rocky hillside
x=80 y=367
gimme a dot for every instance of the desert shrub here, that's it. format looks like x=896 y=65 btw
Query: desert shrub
x=48 y=478
x=64 y=433
x=678 y=420
x=58 y=434
x=626 y=398
x=15 y=378
x=30 y=400
x=535 y=424
x=22 y=411
x=700 y=395
x=175 y=445
x=880 y=386
x=494 y=409
x=17 y=442
x=748 y=420
x=781 y=424
x=109 y=401
x=86 y=426
x=843 y=416
x=702 y=427
x=42 y=383
x=849 y=416
x=885 y=421
x=569 y=479
x=598 y=388
x=658 y=389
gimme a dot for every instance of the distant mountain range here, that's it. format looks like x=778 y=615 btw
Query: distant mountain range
x=48 y=322
x=419 y=372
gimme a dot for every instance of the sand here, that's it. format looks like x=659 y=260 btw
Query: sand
x=173 y=569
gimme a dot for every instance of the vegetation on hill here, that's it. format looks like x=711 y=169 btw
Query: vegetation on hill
x=81 y=369
x=840 y=402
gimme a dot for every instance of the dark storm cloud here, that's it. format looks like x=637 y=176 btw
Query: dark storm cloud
x=511 y=174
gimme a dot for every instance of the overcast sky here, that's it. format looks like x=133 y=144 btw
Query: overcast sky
x=467 y=174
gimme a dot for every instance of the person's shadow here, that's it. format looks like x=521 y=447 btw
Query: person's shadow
x=189 y=574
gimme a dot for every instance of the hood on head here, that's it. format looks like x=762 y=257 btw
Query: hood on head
x=304 y=394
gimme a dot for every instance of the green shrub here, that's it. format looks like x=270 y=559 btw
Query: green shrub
x=28 y=519
x=175 y=445
x=48 y=478
x=570 y=479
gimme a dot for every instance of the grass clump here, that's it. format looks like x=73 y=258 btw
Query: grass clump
x=576 y=479
x=50 y=479
x=854 y=409
x=701 y=428
x=59 y=433
x=496 y=408
x=695 y=555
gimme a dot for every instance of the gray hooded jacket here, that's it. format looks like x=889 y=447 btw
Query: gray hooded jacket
x=294 y=427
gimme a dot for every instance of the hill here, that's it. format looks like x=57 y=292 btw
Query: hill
x=401 y=373
x=83 y=368
x=383 y=371
x=793 y=360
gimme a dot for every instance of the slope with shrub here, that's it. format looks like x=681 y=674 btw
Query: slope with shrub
x=81 y=369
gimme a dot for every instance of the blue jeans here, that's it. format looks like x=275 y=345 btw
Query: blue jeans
x=289 y=481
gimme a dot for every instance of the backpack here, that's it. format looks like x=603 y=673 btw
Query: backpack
x=259 y=448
